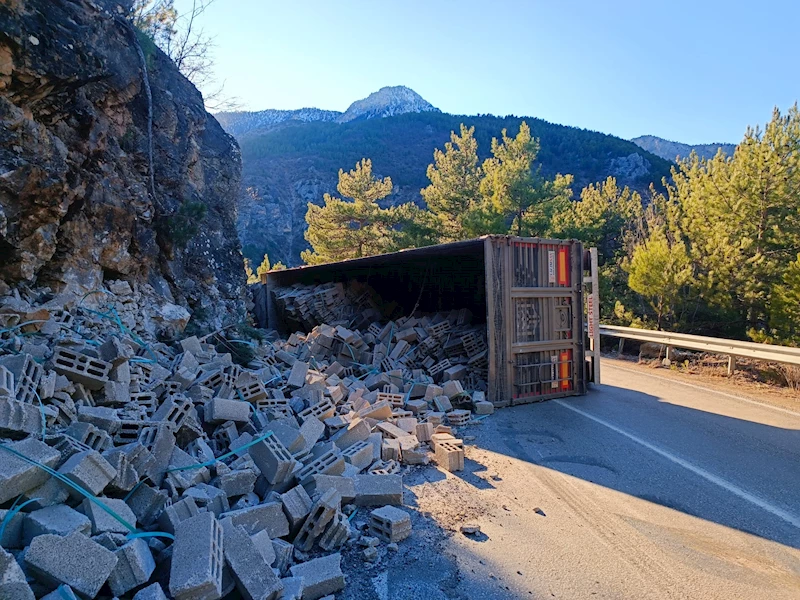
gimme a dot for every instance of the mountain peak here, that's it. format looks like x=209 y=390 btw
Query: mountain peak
x=387 y=102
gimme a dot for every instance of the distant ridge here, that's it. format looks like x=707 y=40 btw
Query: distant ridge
x=671 y=150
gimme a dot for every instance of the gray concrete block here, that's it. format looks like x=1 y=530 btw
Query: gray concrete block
x=151 y=592
x=283 y=555
x=344 y=485
x=237 y=483
x=57 y=520
x=292 y=588
x=296 y=505
x=254 y=577
x=74 y=560
x=197 y=559
x=62 y=592
x=147 y=502
x=173 y=514
x=102 y=521
x=110 y=541
x=220 y=410
x=18 y=419
x=264 y=545
x=13 y=585
x=357 y=431
x=80 y=368
x=378 y=490
x=134 y=567
x=273 y=460
x=209 y=497
x=337 y=533
x=12 y=534
x=18 y=476
x=321 y=576
x=89 y=470
x=328 y=463
x=390 y=524
x=321 y=514
x=360 y=454
x=297 y=376
x=267 y=516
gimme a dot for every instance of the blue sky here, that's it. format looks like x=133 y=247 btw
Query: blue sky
x=694 y=72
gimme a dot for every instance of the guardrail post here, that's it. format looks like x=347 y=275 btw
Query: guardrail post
x=731 y=365
x=621 y=345
x=669 y=355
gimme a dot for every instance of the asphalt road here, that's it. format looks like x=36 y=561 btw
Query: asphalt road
x=644 y=488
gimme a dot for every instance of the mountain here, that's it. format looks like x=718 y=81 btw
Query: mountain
x=291 y=158
x=669 y=150
x=386 y=102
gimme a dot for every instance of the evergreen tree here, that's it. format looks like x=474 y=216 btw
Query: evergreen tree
x=455 y=177
x=343 y=229
x=741 y=215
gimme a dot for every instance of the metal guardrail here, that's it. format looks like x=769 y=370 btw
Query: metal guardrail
x=731 y=348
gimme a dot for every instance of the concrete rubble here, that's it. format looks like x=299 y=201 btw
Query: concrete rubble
x=145 y=468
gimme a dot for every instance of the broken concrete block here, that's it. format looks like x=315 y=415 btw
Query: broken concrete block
x=103 y=521
x=19 y=419
x=6 y=383
x=297 y=376
x=89 y=470
x=292 y=588
x=390 y=524
x=92 y=373
x=254 y=578
x=380 y=411
x=296 y=505
x=337 y=533
x=357 y=431
x=449 y=456
x=442 y=403
x=172 y=515
x=263 y=544
x=237 y=483
x=283 y=554
x=209 y=497
x=13 y=585
x=147 y=502
x=321 y=514
x=134 y=567
x=17 y=476
x=451 y=389
x=321 y=576
x=272 y=459
x=267 y=516
x=62 y=592
x=220 y=410
x=311 y=431
x=378 y=490
x=74 y=560
x=197 y=559
x=12 y=534
x=344 y=485
x=57 y=520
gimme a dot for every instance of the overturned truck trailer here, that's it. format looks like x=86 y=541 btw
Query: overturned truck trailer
x=527 y=292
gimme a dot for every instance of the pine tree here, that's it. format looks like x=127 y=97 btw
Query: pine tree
x=343 y=229
x=455 y=177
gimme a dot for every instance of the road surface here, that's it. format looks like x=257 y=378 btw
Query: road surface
x=644 y=488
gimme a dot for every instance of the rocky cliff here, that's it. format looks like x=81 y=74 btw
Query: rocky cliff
x=671 y=150
x=110 y=167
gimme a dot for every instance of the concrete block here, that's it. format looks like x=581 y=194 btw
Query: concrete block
x=417 y=406
x=151 y=592
x=209 y=498
x=220 y=410
x=292 y=588
x=432 y=391
x=197 y=559
x=18 y=476
x=483 y=407
x=237 y=483
x=380 y=411
x=328 y=463
x=449 y=456
x=74 y=560
x=62 y=592
x=172 y=515
x=356 y=431
x=263 y=544
x=321 y=514
x=442 y=403
x=283 y=554
x=93 y=437
x=311 y=431
x=104 y=522
x=7 y=387
x=390 y=524
x=458 y=418
x=288 y=435
x=13 y=585
x=111 y=541
x=424 y=431
x=12 y=534
x=89 y=470
x=134 y=567
x=297 y=376
x=378 y=490
x=322 y=410
x=267 y=516
x=92 y=373
x=296 y=505
x=360 y=454
x=451 y=389
x=116 y=394
x=255 y=579
x=104 y=417
x=19 y=419
x=344 y=485
x=321 y=576
x=272 y=459
x=337 y=533
x=57 y=520
x=127 y=477
x=147 y=502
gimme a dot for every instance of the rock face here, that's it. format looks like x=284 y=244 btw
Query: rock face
x=670 y=150
x=387 y=102
x=80 y=200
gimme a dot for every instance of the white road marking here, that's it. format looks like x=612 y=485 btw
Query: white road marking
x=716 y=480
x=705 y=389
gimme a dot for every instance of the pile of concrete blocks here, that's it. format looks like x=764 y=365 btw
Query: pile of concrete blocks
x=133 y=468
